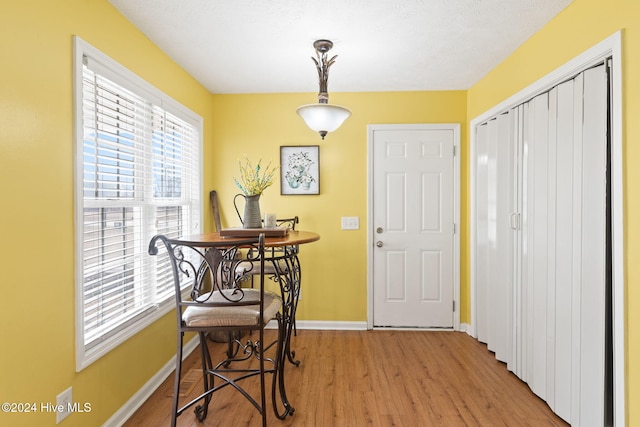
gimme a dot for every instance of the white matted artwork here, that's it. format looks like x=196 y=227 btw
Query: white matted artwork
x=299 y=169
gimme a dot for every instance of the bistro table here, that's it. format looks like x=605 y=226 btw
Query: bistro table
x=282 y=252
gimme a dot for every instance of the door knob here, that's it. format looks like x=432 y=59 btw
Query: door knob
x=379 y=244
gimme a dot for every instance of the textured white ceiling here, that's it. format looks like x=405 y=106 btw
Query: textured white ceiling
x=260 y=46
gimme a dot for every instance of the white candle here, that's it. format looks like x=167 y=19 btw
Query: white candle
x=270 y=220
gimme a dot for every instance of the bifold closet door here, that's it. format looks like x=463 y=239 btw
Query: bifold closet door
x=541 y=239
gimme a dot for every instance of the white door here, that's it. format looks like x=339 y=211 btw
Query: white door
x=413 y=226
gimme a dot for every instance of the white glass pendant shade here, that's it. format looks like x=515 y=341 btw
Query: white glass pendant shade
x=323 y=118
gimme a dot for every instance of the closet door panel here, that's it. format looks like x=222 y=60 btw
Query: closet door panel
x=526 y=299
x=563 y=250
x=482 y=240
x=494 y=246
x=518 y=335
x=551 y=226
x=492 y=261
x=536 y=144
x=501 y=254
x=576 y=253
x=593 y=248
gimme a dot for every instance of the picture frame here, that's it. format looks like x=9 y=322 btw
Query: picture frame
x=299 y=169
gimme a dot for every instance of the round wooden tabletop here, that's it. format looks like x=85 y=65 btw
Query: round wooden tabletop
x=291 y=238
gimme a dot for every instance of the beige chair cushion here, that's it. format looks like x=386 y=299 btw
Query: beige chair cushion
x=234 y=315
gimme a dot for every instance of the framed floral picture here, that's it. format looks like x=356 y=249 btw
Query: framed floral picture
x=299 y=169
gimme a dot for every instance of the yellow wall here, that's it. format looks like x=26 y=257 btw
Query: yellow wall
x=36 y=189
x=580 y=26
x=335 y=283
x=37 y=360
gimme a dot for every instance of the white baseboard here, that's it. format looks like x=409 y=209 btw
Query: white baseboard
x=325 y=325
x=331 y=325
x=141 y=396
x=465 y=327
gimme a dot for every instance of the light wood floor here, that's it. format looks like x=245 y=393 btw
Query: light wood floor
x=377 y=378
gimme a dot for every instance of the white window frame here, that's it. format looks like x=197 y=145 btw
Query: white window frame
x=85 y=355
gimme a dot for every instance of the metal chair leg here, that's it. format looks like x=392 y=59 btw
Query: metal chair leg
x=176 y=383
x=202 y=410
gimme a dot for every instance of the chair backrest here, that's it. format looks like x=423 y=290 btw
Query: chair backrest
x=289 y=223
x=215 y=209
x=204 y=270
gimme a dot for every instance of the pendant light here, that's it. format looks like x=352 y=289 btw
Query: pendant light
x=323 y=117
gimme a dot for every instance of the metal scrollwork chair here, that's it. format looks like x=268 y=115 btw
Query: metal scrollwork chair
x=209 y=298
x=289 y=223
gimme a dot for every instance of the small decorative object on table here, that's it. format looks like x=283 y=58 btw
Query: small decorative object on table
x=269 y=220
x=253 y=181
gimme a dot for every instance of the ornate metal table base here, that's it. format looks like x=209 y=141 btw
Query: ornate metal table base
x=288 y=275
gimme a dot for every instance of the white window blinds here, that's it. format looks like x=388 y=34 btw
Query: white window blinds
x=138 y=175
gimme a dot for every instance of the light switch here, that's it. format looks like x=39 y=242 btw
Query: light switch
x=350 y=223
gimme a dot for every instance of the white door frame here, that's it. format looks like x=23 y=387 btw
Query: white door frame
x=611 y=46
x=455 y=127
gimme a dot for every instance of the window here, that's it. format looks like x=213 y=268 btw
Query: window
x=138 y=163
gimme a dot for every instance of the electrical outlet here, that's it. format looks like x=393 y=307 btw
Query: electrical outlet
x=64 y=403
x=350 y=223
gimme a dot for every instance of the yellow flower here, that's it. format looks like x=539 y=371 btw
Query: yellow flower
x=254 y=180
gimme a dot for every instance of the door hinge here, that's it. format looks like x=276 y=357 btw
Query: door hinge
x=454 y=228
x=454 y=151
x=454 y=306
